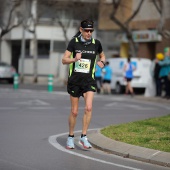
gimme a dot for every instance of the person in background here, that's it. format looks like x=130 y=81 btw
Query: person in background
x=128 y=69
x=156 y=71
x=107 y=78
x=81 y=55
x=165 y=71
x=98 y=77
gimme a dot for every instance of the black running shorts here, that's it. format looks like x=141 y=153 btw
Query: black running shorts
x=79 y=90
x=107 y=81
x=128 y=79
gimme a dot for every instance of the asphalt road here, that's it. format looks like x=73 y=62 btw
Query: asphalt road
x=33 y=129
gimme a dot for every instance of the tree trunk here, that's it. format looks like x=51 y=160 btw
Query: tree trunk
x=131 y=44
x=35 y=60
x=22 y=54
x=0 y=48
x=35 y=56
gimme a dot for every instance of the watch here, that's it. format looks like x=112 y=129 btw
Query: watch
x=103 y=62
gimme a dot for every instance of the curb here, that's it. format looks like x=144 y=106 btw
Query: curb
x=153 y=99
x=125 y=150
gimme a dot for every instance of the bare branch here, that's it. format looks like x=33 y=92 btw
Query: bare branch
x=158 y=7
x=135 y=12
x=116 y=4
x=10 y=16
x=8 y=27
x=5 y=31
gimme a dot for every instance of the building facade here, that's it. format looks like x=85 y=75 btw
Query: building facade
x=144 y=26
x=55 y=25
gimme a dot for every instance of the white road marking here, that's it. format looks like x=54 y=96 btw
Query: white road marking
x=111 y=104
x=168 y=108
x=33 y=102
x=41 y=108
x=53 y=141
x=17 y=164
x=7 y=108
x=60 y=93
x=137 y=107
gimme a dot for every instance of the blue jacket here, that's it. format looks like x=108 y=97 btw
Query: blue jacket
x=98 y=72
x=165 y=67
x=108 y=73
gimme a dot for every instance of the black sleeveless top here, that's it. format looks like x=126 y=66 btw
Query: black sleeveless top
x=82 y=72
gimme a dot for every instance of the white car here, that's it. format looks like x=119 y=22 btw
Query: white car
x=142 y=75
x=7 y=72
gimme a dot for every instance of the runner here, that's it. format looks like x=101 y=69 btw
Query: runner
x=107 y=78
x=81 y=55
x=129 y=68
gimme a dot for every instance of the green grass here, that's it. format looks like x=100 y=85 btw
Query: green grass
x=151 y=133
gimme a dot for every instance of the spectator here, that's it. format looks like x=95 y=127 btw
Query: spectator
x=98 y=77
x=156 y=71
x=165 y=71
x=107 y=70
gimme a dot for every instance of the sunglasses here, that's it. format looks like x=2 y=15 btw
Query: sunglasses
x=87 y=31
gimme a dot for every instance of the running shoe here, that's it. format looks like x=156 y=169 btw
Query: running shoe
x=70 y=143
x=84 y=141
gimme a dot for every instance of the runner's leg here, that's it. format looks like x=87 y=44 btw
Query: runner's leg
x=88 y=97
x=73 y=114
x=130 y=87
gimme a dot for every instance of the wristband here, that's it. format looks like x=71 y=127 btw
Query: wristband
x=103 y=62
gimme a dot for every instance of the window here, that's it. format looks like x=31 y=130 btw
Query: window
x=59 y=46
x=108 y=1
x=43 y=48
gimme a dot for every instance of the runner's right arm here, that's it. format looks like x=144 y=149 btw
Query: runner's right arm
x=67 y=60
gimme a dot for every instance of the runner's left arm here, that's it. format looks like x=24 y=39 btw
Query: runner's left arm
x=102 y=57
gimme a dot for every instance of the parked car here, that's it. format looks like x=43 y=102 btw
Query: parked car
x=7 y=72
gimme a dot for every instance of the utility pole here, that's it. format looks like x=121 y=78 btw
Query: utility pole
x=22 y=54
x=35 y=55
x=23 y=42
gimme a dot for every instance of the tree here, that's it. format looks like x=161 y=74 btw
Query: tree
x=160 y=6
x=29 y=16
x=125 y=26
x=64 y=12
x=9 y=17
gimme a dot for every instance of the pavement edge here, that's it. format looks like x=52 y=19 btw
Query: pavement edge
x=125 y=150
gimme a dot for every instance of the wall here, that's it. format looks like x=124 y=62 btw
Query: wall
x=6 y=51
x=123 y=13
x=43 y=33
x=51 y=65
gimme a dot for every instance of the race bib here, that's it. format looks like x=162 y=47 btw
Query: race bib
x=82 y=66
